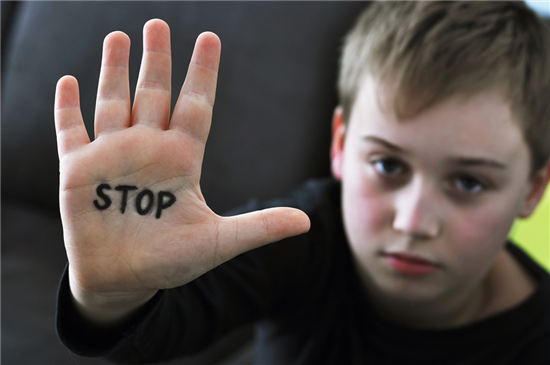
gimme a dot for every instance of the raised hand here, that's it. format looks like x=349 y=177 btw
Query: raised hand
x=133 y=215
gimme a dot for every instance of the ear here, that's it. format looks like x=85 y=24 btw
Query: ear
x=337 y=147
x=536 y=192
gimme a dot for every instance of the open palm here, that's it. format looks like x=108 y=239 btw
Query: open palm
x=133 y=215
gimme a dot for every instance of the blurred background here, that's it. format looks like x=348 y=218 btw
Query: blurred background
x=270 y=132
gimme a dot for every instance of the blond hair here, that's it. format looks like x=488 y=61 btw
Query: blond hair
x=431 y=50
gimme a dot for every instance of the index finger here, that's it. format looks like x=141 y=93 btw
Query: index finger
x=193 y=110
x=69 y=125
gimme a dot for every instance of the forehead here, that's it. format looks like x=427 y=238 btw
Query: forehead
x=481 y=124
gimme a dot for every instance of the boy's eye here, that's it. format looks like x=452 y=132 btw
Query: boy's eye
x=469 y=184
x=389 y=167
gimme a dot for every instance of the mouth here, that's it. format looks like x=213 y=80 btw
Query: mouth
x=410 y=264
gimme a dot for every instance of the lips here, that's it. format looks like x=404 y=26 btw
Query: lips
x=410 y=264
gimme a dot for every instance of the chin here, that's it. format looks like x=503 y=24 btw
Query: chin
x=404 y=288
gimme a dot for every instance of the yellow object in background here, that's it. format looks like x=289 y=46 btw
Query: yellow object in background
x=533 y=234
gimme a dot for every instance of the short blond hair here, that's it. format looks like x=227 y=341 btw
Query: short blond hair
x=432 y=50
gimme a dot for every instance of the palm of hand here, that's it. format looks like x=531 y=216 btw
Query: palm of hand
x=148 y=250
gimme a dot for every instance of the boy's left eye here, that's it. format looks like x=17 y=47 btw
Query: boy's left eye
x=469 y=184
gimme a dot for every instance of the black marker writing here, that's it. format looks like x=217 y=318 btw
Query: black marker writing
x=165 y=200
x=103 y=196
x=124 y=189
x=150 y=201
x=144 y=201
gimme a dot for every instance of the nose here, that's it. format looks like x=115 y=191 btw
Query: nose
x=416 y=211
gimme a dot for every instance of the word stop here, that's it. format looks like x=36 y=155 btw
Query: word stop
x=144 y=201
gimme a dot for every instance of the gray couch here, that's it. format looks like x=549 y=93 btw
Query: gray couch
x=271 y=129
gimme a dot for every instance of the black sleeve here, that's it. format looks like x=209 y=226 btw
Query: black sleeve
x=85 y=339
x=185 y=320
x=538 y=353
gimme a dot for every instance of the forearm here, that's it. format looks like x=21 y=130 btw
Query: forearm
x=173 y=323
x=83 y=337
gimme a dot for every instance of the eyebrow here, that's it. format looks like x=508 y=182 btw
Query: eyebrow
x=461 y=161
x=384 y=143
x=464 y=161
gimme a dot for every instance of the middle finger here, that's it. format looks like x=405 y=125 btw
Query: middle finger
x=152 y=100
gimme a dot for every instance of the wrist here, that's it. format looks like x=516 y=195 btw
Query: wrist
x=109 y=308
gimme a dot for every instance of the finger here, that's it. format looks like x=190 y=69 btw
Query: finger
x=193 y=111
x=245 y=232
x=113 y=94
x=152 y=101
x=69 y=125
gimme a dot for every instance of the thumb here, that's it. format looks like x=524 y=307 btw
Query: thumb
x=255 y=229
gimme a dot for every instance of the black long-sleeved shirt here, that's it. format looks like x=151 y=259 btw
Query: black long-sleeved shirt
x=309 y=308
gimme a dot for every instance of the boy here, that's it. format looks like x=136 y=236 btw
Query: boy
x=440 y=141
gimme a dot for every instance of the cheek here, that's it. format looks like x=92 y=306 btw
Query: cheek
x=479 y=235
x=366 y=211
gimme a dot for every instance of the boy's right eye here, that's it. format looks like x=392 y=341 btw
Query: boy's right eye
x=389 y=167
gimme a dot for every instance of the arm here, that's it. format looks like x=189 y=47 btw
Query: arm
x=133 y=215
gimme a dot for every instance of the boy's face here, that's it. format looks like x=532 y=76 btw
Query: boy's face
x=428 y=201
